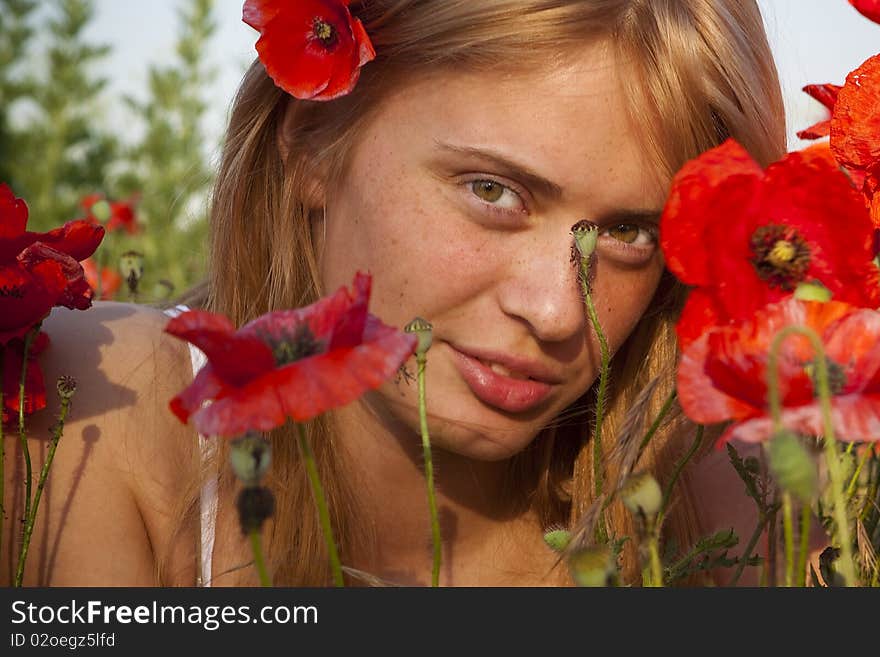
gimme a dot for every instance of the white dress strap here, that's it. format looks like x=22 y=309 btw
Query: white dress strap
x=208 y=494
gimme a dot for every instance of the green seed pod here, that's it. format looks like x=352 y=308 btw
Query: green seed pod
x=641 y=494
x=255 y=505
x=586 y=234
x=424 y=332
x=250 y=457
x=793 y=466
x=557 y=539
x=593 y=567
x=66 y=386
x=812 y=291
x=101 y=210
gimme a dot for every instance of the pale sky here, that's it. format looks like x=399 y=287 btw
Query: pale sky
x=814 y=41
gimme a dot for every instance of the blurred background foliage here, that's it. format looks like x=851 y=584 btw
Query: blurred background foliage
x=56 y=151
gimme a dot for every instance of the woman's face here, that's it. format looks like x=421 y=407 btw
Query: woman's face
x=459 y=199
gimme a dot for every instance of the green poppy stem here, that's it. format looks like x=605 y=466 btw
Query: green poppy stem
x=598 y=477
x=259 y=560
x=851 y=489
x=667 y=492
x=655 y=425
x=656 y=579
x=31 y=517
x=421 y=361
x=321 y=502
x=22 y=436
x=747 y=553
x=832 y=458
x=804 y=549
x=788 y=532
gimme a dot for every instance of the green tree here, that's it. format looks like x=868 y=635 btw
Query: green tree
x=169 y=168
x=60 y=152
x=15 y=34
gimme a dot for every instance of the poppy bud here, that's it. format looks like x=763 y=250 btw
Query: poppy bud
x=593 y=567
x=423 y=330
x=250 y=457
x=812 y=291
x=586 y=234
x=131 y=266
x=641 y=494
x=101 y=210
x=792 y=465
x=66 y=386
x=557 y=539
x=255 y=505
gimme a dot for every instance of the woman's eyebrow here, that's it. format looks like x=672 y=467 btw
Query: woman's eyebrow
x=627 y=215
x=507 y=166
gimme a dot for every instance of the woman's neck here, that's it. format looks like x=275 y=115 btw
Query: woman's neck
x=487 y=536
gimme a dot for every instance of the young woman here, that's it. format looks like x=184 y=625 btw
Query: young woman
x=452 y=172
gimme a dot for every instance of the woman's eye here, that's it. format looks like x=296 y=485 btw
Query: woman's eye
x=631 y=234
x=496 y=194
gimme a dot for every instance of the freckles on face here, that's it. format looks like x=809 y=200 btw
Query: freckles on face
x=459 y=199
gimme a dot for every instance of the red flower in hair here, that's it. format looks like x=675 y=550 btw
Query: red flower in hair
x=313 y=49
x=287 y=364
x=855 y=123
x=723 y=375
x=40 y=270
x=868 y=8
x=746 y=237
x=827 y=95
x=34 y=388
x=109 y=281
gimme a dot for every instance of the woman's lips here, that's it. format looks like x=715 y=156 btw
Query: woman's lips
x=513 y=395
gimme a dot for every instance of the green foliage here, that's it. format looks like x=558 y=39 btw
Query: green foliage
x=59 y=153
x=15 y=34
x=169 y=168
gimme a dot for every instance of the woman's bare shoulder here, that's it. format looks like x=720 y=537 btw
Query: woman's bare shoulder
x=120 y=470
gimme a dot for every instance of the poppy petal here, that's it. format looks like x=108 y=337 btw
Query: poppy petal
x=205 y=386
x=235 y=358
x=855 y=123
x=868 y=8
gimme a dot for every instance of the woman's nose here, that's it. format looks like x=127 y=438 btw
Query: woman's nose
x=541 y=288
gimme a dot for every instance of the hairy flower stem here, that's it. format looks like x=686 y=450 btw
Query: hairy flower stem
x=22 y=437
x=421 y=361
x=598 y=479
x=259 y=560
x=788 y=532
x=851 y=489
x=832 y=458
x=655 y=425
x=656 y=579
x=321 y=502
x=683 y=461
x=747 y=553
x=30 y=519
x=804 y=548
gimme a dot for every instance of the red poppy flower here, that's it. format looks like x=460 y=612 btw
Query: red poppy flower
x=34 y=388
x=723 y=375
x=827 y=95
x=287 y=364
x=746 y=237
x=855 y=122
x=112 y=215
x=40 y=270
x=109 y=281
x=313 y=49
x=869 y=8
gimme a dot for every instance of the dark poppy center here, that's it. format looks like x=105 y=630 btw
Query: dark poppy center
x=836 y=375
x=325 y=33
x=781 y=255
x=296 y=346
x=11 y=292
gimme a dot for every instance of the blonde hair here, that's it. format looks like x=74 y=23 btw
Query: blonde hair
x=697 y=72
